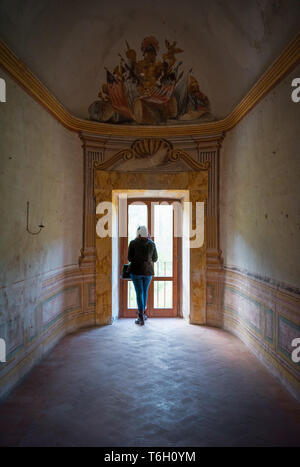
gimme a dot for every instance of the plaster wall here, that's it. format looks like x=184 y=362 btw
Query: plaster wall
x=40 y=162
x=259 y=189
x=260 y=232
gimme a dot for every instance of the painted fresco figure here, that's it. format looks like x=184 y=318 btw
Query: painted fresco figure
x=197 y=103
x=155 y=84
x=149 y=91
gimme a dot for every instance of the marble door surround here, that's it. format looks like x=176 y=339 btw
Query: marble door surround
x=114 y=164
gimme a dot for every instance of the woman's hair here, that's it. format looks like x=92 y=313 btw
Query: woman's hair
x=142 y=231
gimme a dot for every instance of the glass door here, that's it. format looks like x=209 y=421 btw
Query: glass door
x=163 y=297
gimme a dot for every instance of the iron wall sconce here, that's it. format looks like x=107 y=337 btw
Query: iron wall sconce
x=41 y=226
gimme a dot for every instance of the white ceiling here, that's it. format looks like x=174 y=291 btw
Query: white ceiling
x=67 y=43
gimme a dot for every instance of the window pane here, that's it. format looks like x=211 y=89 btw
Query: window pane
x=163 y=294
x=163 y=238
x=131 y=296
x=137 y=215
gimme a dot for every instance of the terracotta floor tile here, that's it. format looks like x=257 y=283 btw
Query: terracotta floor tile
x=165 y=384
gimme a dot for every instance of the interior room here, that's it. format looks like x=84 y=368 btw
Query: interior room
x=168 y=130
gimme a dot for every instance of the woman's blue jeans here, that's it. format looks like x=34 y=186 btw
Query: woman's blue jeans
x=141 y=285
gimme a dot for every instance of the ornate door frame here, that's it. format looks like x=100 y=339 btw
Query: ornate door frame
x=192 y=154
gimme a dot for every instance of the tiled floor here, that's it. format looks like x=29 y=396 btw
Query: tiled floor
x=165 y=384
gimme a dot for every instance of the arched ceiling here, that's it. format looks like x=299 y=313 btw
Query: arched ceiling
x=228 y=43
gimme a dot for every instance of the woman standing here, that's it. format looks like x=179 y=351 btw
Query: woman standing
x=142 y=254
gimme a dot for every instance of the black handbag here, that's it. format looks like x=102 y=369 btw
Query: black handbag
x=126 y=272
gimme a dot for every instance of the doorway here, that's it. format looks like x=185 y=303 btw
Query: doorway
x=159 y=216
x=190 y=189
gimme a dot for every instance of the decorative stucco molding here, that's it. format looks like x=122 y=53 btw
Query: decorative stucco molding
x=147 y=147
x=201 y=154
x=287 y=60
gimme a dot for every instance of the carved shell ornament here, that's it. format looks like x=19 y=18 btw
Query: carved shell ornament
x=151 y=90
x=148 y=147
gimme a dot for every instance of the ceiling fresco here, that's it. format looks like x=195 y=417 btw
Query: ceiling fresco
x=74 y=47
x=151 y=90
